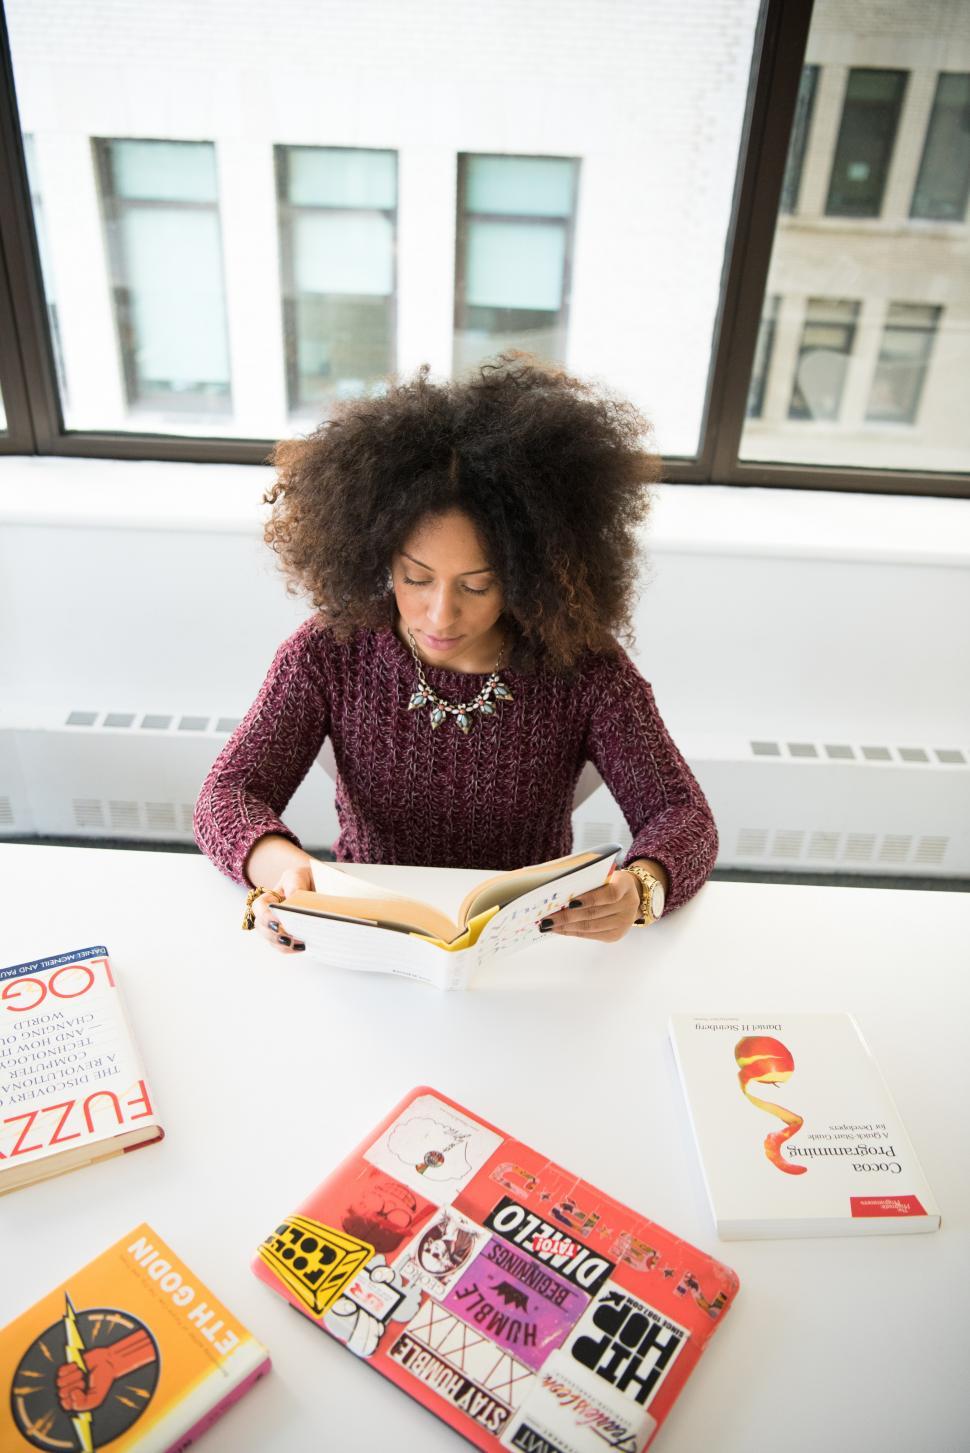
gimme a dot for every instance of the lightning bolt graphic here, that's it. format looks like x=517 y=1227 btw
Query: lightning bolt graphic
x=74 y=1352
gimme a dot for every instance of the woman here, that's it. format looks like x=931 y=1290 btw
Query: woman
x=471 y=552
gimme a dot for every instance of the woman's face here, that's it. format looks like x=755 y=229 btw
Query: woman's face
x=448 y=595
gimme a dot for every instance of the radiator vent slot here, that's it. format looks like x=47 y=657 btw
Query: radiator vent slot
x=6 y=813
x=792 y=845
x=843 y=752
x=125 y=817
x=160 y=816
x=88 y=813
x=82 y=718
x=823 y=847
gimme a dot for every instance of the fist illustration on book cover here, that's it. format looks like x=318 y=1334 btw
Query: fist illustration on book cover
x=85 y=1380
x=767 y=1061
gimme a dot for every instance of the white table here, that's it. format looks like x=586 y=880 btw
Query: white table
x=849 y=1343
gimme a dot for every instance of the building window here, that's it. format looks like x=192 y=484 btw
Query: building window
x=804 y=107
x=944 y=172
x=870 y=115
x=823 y=358
x=762 y=358
x=514 y=256
x=338 y=229
x=161 y=212
x=907 y=342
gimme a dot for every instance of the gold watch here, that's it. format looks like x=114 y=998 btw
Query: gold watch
x=651 y=893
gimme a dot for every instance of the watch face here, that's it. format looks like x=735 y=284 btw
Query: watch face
x=657 y=899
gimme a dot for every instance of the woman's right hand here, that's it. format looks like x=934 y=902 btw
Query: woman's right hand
x=268 y=922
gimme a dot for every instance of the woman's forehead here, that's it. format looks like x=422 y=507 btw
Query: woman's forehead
x=448 y=543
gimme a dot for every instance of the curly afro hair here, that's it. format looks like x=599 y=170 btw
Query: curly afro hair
x=553 y=473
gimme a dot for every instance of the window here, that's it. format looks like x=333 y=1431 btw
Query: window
x=514 y=256
x=43 y=248
x=870 y=116
x=602 y=189
x=161 y=217
x=907 y=341
x=338 y=223
x=944 y=173
x=823 y=358
x=799 y=138
x=762 y=358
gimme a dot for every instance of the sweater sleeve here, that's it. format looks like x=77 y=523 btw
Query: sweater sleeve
x=664 y=807
x=266 y=758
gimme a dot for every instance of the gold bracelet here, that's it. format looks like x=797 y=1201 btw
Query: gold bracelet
x=249 y=917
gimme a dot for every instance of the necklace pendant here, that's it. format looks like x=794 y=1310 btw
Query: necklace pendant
x=487 y=708
x=418 y=699
x=437 y=717
x=502 y=691
x=464 y=721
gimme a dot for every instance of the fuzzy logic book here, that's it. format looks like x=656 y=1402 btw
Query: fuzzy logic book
x=507 y=1295
x=797 y=1132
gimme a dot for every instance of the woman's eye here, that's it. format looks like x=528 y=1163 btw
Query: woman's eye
x=409 y=581
x=471 y=591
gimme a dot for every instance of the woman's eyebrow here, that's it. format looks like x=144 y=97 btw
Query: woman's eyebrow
x=485 y=569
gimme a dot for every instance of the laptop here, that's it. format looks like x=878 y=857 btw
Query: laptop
x=517 y=1302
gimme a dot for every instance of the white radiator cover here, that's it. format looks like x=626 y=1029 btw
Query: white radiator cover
x=828 y=806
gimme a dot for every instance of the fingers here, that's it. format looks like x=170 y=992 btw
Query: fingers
x=272 y=927
x=604 y=914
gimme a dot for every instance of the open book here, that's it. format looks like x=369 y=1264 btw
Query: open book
x=359 y=925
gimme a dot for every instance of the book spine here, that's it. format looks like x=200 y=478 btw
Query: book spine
x=216 y=1412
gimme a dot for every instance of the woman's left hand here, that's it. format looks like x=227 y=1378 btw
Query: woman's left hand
x=605 y=914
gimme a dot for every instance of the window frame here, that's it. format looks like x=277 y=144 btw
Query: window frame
x=34 y=420
x=286 y=214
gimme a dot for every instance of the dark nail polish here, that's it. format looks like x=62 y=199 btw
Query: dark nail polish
x=299 y=947
x=576 y=903
x=284 y=940
x=274 y=926
x=545 y=925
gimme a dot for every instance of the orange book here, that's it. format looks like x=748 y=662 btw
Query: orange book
x=132 y=1351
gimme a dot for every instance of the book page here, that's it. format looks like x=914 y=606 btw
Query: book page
x=362 y=946
x=330 y=878
x=506 y=887
x=517 y=924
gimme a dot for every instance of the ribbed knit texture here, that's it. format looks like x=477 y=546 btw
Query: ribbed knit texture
x=500 y=797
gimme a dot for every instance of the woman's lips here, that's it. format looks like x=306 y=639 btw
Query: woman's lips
x=440 y=642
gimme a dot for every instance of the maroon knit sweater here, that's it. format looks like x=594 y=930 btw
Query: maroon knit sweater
x=500 y=797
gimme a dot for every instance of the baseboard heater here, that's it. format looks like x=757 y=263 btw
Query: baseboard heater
x=832 y=806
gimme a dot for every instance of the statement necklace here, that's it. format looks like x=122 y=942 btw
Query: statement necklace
x=493 y=690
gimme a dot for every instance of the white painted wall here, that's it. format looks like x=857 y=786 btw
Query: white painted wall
x=765 y=614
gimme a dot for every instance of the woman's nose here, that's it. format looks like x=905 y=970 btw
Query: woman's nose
x=442 y=609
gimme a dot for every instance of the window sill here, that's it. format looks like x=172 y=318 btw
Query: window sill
x=95 y=494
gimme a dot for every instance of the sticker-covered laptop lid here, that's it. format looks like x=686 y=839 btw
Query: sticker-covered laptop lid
x=510 y=1297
